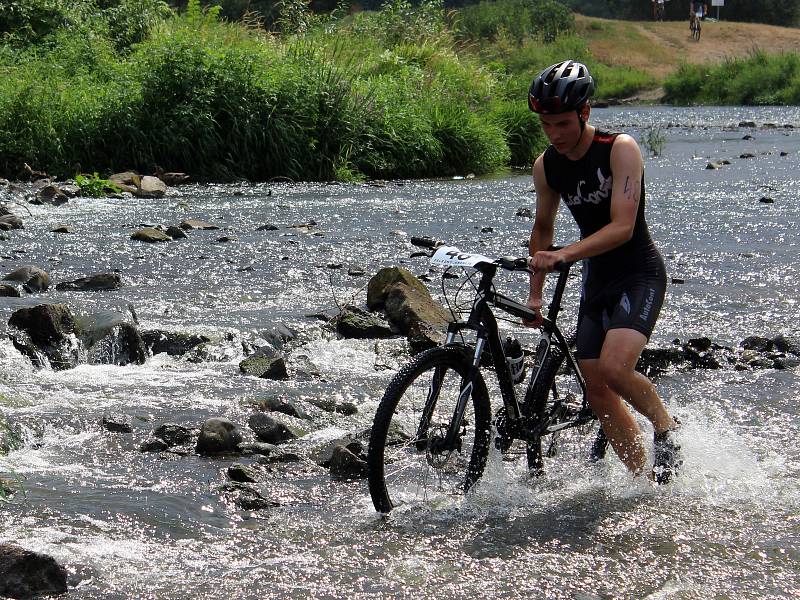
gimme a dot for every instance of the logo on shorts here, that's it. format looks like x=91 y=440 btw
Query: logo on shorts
x=648 y=304
x=625 y=303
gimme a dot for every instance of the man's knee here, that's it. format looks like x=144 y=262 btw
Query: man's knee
x=617 y=374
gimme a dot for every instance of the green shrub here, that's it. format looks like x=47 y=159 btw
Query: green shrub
x=523 y=134
x=759 y=79
x=520 y=19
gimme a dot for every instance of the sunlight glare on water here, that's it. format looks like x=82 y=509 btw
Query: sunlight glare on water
x=131 y=524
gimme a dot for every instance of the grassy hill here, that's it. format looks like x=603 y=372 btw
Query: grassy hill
x=660 y=47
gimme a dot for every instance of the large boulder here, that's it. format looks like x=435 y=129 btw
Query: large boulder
x=378 y=287
x=92 y=283
x=409 y=307
x=28 y=574
x=217 y=436
x=51 y=334
x=46 y=334
x=150 y=187
x=32 y=278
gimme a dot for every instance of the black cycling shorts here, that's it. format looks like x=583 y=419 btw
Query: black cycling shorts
x=632 y=302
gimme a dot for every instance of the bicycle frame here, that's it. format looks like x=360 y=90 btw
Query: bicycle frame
x=483 y=322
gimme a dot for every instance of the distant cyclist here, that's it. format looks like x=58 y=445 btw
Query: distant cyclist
x=658 y=10
x=697 y=11
x=600 y=177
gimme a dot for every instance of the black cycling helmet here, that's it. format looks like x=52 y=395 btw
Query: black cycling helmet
x=560 y=88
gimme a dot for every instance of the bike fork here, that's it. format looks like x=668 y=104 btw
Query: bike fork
x=451 y=440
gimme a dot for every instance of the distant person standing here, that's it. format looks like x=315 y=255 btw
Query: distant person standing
x=697 y=9
x=658 y=10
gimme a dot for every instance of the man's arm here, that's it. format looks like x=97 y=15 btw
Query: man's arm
x=547 y=202
x=627 y=170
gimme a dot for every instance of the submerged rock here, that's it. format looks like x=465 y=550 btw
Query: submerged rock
x=354 y=322
x=9 y=291
x=245 y=497
x=10 y=221
x=242 y=473
x=117 y=422
x=346 y=465
x=150 y=235
x=28 y=574
x=92 y=283
x=281 y=405
x=270 y=430
x=172 y=434
x=174 y=343
x=197 y=224
x=266 y=363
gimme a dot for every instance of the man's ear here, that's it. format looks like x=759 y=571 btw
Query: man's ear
x=585 y=111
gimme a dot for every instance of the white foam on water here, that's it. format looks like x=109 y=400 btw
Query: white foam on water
x=339 y=357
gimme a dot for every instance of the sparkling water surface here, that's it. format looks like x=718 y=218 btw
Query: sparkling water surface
x=138 y=525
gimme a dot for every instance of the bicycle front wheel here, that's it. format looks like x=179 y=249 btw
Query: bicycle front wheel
x=408 y=461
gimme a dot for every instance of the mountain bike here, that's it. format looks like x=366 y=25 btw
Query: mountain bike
x=434 y=427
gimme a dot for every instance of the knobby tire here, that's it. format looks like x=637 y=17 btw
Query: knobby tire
x=403 y=463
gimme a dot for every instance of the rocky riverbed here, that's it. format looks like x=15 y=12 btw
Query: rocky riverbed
x=185 y=410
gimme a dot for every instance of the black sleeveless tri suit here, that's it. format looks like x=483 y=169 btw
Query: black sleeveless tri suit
x=624 y=287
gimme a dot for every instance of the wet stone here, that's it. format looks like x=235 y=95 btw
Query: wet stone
x=242 y=473
x=245 y=497
x=172 y=434
x=28 y=574
x=218 y=435
x=117 y=423
x=346 y=465
x=176 y=233
x=270 y=430
x=153 y=445
x=282 y=405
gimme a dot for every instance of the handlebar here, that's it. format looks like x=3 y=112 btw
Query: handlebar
x=512 y=263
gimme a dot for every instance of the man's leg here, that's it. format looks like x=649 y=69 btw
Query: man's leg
x=617 y=363
x=618 y=423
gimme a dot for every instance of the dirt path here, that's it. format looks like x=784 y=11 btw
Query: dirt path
x=659 y=48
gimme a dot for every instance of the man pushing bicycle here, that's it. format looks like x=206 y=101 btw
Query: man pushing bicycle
x=600 y=177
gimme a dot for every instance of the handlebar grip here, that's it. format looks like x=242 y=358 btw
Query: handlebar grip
x=513 y=263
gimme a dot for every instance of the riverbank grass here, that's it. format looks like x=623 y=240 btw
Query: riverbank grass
x=758 y=79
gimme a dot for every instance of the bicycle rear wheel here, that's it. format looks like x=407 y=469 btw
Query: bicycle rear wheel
x=406 y=461
x=557 y=397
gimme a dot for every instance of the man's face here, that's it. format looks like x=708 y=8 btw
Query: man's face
x=563 y=130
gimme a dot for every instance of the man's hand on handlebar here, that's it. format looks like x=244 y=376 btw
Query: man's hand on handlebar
x=546 y=260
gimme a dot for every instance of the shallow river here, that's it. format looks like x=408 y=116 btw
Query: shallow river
x=128 y=524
